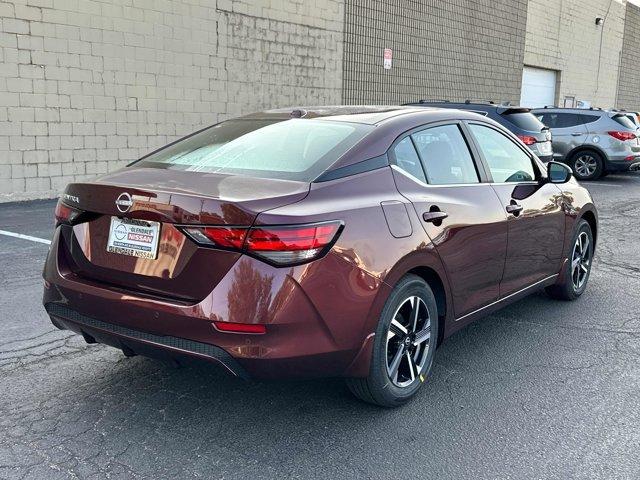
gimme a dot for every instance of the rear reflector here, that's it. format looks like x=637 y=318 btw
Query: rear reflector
x=527 y=139
x=231 y=327
x=279 y=245
x=623 y=136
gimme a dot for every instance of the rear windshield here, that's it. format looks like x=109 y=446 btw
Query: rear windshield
x=624 y=121
x=525 y=121
x=295 y=149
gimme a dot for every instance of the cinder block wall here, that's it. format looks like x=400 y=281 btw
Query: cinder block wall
x=629 y=72
x=87 y=86
x=450 y=49
x=563 y=36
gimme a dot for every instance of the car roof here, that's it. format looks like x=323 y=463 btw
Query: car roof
x=489 y=106
x=367 y=114
x=466 y=103
x=570 y=110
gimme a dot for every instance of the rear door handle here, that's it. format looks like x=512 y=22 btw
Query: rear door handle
x=514 y=209
x=433 y=217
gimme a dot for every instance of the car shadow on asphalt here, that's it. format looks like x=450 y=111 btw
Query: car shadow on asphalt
x=500 y=373
x=469 y=354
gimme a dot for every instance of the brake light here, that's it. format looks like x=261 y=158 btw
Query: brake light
x=623 y=136
x=293 y=244
x=65 y=214
x=222 y=237
x=527 y=139
x=278 y=245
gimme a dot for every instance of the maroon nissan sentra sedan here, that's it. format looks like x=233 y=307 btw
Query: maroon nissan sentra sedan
x=318 y=241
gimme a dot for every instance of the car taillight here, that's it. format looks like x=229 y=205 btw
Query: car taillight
x=221 y=237
x=527 y=139
x=65 y=214
x=291 y=245
x=279 y=245
x=622 y=135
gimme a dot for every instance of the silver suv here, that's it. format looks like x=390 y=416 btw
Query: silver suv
x=592 y=142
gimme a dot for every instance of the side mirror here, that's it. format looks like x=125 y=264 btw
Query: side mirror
x=558 y=172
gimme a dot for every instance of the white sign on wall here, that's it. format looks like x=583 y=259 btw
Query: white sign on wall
x=388 y=56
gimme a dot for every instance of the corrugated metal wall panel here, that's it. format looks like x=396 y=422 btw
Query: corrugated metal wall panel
x=453 y=49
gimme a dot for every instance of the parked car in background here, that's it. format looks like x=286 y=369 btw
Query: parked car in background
x=519 y=120
x=322 y=241
x=593 y=142
x=633 y=116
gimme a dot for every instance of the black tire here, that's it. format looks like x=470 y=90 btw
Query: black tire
x=379 y=388
x=586 y=165
x=567 y=289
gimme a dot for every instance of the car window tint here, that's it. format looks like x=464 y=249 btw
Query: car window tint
x=507 y=162
x=546 y=119
x=446 y=156
x=296 y=149
x=407 y=159
x=524 y=120
x=563 y=120
x=589 y=118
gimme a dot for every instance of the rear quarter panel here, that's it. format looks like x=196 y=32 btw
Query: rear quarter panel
x=377 y=257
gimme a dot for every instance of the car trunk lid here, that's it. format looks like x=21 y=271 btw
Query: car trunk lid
x=164 y=199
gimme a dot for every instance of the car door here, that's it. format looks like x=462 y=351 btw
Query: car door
x=536 y=219
x=568 y=131
x=435 y=169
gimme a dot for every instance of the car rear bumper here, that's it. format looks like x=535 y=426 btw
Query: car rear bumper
x=314 y=316
x=623 y=165
x=138 y=342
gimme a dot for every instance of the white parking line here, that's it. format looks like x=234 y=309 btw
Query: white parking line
x=25 y=237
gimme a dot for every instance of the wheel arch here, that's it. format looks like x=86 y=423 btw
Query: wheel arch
x=432 y=278
x=587 y=148
x=424 y=263
x=590 y=217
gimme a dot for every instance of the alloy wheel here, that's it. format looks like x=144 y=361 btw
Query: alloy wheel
x=586 y=165
x=580 y=260
x=408 y=342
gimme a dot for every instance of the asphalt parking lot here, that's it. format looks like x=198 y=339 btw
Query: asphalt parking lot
x=542 y=389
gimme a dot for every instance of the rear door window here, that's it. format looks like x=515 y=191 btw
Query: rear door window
x=445 y=155
x=407 y=159
x=506 y=160
x=564 y=120
x=296 y=149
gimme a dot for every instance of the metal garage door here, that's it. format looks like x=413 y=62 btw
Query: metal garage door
x=538 y=87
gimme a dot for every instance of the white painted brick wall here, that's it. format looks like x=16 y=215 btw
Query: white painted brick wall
x=563 y=36
x=89 y=85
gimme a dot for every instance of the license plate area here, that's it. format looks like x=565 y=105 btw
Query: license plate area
x=133 y=237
